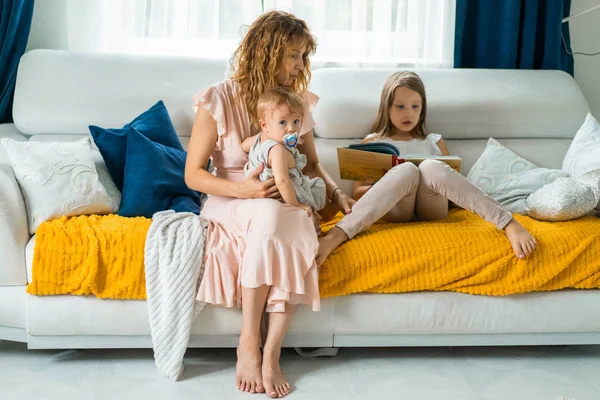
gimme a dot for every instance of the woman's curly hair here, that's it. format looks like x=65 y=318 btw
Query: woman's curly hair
x=257 y=60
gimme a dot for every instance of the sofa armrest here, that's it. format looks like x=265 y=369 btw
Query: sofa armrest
x=14 y=234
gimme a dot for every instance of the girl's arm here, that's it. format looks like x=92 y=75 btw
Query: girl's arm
x=359 y=189
x=443 y=147
x=248 y=142
x=202 y=144
x=313 y=168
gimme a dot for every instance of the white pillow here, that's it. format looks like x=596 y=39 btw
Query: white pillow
x=509 y=178
x=106 y=180
x=562 y=200
x=584 y=153
x=56 y=179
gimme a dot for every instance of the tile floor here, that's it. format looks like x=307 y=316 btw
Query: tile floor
x=515 y=373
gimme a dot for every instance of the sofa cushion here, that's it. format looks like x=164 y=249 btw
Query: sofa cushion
x=402 y=315
x=154 y=123
x=154 y=179
x=57 y=179
x=509 y=178
x=63 y=92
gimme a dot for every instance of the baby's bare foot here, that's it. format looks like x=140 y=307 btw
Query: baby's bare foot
x=275 y=383
x=248 y=374
x=521 y=240
x=330 y=242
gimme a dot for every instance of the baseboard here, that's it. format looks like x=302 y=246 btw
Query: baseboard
x=142 y=341
x=486 y=339
x=321 y=340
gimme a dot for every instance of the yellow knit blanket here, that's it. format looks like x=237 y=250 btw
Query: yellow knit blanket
x=91 y=254
x=104 y=256
x=464 y=254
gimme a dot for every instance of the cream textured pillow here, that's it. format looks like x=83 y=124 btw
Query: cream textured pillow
x=565 y=198
x=56 y=179
x=508 y=178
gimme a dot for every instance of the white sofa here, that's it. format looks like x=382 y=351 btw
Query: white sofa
x=58 y=94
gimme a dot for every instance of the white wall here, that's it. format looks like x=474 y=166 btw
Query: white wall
x=49 y=25
x=48 y=31
x=585 y=37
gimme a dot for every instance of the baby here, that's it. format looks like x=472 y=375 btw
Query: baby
x=280 y=114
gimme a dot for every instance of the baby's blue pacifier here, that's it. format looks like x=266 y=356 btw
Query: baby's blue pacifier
x=290 y=139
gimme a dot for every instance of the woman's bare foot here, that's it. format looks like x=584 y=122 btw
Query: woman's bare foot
x=248 y=370
x=330 y=242
x=275 y=383
x=521 y=240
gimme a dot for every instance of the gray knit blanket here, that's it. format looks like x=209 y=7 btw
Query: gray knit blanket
x=174 y=263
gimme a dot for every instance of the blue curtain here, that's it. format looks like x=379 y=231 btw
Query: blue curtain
x=15 y=23
x=512 y=34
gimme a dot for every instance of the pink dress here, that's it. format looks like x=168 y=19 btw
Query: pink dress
x=253 y=242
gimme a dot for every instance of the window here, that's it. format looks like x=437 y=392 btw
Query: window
x=349 y=32
x=207 y=28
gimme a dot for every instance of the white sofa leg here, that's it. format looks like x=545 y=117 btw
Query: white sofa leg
x=320 y=352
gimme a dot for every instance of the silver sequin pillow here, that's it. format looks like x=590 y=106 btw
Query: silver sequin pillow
x=565 y=198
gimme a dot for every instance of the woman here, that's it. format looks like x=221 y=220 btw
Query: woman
x=260 y=252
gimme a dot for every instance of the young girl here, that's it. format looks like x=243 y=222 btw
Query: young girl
x=406 y=192
x=280 y=114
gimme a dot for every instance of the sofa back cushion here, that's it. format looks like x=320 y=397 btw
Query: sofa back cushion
x=62 y=92
x=462 y=103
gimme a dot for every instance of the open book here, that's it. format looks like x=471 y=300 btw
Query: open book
x=370 y=161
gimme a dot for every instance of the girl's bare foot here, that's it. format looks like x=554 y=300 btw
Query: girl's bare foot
x=521 y=240
x=248 y=371
x=275 y=383
x=330 y=242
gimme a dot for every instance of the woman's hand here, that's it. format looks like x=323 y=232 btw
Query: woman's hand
x=306 y=208
x=253 y=188
x=343 y=202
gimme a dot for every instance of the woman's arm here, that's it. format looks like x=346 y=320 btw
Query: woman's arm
x=248 y=142
x=202 y=144
x=313 y=168
x=443 y=147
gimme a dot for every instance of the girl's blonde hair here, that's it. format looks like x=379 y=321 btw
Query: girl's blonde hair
x=259 y=57
x=383 y=126
x=276 y=97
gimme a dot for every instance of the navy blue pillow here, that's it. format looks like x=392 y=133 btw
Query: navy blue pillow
x=154 y=179
x=154 y=123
